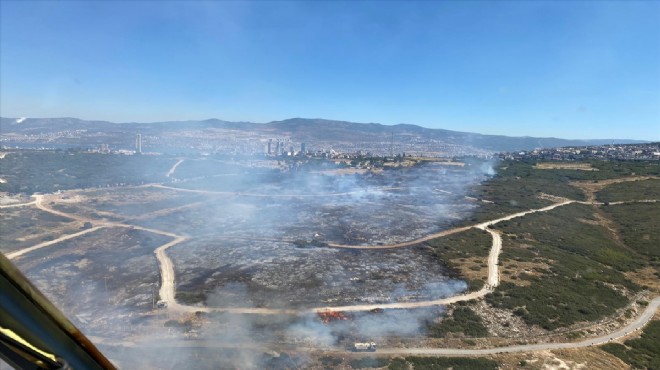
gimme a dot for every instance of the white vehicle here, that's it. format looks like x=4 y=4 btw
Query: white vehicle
x=364 y=347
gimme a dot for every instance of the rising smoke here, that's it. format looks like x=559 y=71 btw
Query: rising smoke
x=257 y=239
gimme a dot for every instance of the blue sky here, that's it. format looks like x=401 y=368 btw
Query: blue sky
x=563 y=69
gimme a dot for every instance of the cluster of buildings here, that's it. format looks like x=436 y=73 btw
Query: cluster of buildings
x=649 y=151
x=284 y=147
x=43 y=137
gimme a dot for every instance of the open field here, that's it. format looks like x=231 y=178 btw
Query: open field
x=564 y=166
x=84 y=277
x=46 y=171
x=21 y=227
x=625 y=191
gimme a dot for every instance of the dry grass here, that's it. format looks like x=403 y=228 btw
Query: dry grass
x=465 y=268
x=565 y=166
x=590 y=188
x=583 y=358
x=645 y=277
x=515 y=268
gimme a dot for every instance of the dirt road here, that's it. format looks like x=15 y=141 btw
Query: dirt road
x=264 y=195
x=482 y=226
x=51 y=242
x=18 y=204
x=493 y=257
x=639 y=323
x=171 y=171
x=403 y=244
x=167 y=288
x=492 y=282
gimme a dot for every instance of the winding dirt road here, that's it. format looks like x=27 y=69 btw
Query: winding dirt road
x=639 y=323
x=492 y=282
x=482 y=226
x=167 y=290
x=168 y=279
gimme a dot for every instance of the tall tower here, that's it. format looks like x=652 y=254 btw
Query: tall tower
x=270 y=144
x=138 y=144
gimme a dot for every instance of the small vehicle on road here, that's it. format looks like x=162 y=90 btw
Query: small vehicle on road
x=364 y=347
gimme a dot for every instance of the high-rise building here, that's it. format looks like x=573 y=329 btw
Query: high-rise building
x=270 y=144
x=302 y=149
x=277 y=148
x=138 y=144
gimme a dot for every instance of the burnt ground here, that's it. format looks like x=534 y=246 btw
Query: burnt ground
x=23 y=227
x=223 y=273
x=258 y=245
x=98 y=277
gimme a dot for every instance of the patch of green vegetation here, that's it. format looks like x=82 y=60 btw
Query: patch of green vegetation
x=640 y=353
x=561 y=229
x=554 y=302
x=474 y=285
x=46 y=171
x=626 y=191
x=452 y=250
x=190 y=297
x=454 y=363
x=368 y=362
x=582 y=259
x=463 y=320
x=470 y=243
x=517 y=184
x=638 y=226
x=618 y=169
x=575 y=334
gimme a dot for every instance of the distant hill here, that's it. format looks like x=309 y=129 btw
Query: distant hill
x=341 y=130
x=297 y=129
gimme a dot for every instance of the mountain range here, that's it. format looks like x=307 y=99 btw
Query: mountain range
x=313 y=131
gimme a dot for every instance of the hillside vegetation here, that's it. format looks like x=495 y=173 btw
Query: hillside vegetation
x=569 y=265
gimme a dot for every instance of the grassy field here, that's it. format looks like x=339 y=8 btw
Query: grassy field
x=455 y=251
x=565 y=266
x=46 y=171
x=626 y=191
x=517 y=185
x=584 y=267
x=462 y=321
x=638 y=227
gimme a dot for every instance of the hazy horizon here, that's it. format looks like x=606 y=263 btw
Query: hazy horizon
x=337 y=120
x=574 y=70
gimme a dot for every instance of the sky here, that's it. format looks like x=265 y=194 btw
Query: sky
x=574 y=70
